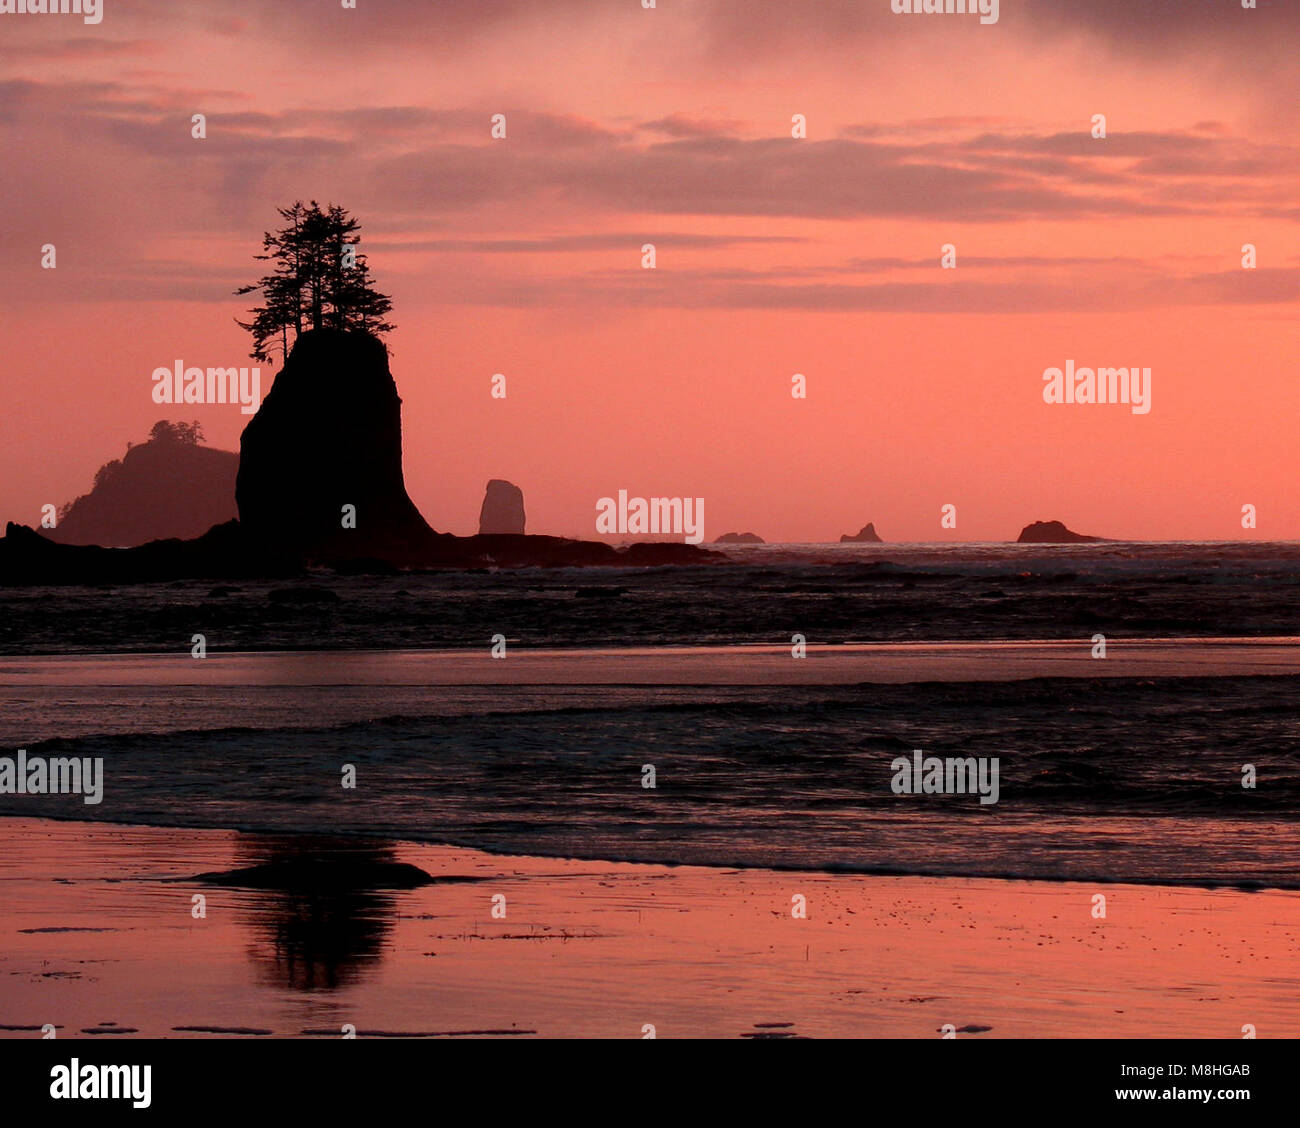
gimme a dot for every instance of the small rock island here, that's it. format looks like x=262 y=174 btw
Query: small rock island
x=866 y=535
x=1052 y=532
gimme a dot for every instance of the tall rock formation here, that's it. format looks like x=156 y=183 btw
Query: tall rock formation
x=320 y=469
x=503 y=509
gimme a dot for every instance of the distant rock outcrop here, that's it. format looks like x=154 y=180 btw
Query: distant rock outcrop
x=1051 y=532
x=740 y=538
x=503 y=509
x=166 y=487
x=320 y=468
x=866 y=535
x=226 y=552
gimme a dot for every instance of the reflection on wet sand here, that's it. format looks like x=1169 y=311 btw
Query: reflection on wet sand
x=320 y=910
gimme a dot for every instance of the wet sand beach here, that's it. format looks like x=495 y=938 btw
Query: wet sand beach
x=98 y=938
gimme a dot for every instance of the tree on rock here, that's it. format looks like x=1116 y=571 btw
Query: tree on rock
x=320 y=279
x=186 y=434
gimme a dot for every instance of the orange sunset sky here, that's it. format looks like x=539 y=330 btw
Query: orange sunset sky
x=775 y=255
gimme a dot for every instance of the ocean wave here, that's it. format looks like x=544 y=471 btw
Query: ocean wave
x=1135 y=780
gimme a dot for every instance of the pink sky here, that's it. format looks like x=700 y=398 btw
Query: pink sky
x=775 y=256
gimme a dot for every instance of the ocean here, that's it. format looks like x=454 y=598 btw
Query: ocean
x=1107 y=773
x=829 y=593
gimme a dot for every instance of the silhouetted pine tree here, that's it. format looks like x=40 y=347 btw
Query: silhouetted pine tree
x=320 y=280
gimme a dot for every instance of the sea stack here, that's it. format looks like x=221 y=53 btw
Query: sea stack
x=320 y=470
x=1052 y=532
x=866 y=535
x=740 y=538
x=503 y=509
